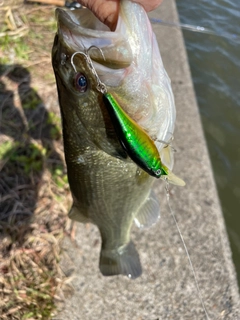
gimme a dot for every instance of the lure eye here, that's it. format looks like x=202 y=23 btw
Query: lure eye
x=81 y=82
x=158 y=172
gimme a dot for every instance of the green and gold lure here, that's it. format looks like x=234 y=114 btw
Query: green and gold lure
x=134 y=139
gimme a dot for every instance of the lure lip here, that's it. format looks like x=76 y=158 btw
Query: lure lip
x=173 y=179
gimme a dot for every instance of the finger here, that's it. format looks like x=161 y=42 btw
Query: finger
x=149 y=5
x=105 y=10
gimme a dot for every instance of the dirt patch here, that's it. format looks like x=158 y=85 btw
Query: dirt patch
x=34 y=193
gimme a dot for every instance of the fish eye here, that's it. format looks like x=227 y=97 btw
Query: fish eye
x=81 y=82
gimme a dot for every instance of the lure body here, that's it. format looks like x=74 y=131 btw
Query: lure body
x=135 y=141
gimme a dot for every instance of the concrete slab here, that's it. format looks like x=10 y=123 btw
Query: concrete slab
x=166 y=290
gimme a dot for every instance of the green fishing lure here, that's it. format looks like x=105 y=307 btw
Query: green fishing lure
x=137 y=143
x=134 y=139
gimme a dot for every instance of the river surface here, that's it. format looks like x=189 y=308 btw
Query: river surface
x=215 y=67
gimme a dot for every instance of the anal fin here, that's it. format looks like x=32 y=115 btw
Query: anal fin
x=167 y=156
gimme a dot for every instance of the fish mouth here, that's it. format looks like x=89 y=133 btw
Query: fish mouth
x=79 y=29
x=83 y=18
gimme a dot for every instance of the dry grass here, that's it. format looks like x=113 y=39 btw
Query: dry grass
x=34 y=194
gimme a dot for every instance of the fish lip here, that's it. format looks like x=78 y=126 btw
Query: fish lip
x=64 y=18
x=71 y=20
x=76 y=35
x=67 y=28
x=71 y=29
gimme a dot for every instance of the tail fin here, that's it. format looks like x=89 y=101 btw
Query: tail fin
x=124 y=260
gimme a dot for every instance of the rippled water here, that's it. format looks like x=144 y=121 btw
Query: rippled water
x=215 y=67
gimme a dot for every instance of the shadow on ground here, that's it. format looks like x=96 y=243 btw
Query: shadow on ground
x=27 y=135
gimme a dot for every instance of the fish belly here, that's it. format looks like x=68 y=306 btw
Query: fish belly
x=109 y=192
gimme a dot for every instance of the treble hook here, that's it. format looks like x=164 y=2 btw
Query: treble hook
x=92 y=47
x=100 y=85
x=78 y=52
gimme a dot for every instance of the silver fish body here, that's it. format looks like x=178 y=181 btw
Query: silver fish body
x=108 y=188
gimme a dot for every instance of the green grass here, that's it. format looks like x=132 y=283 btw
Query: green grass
x=17 y=47
x=59 y=177
x=5 y=148
x=28 y=158
x=55 y=121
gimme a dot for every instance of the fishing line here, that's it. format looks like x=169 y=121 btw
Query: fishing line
x=193 y=28
x=186 y=250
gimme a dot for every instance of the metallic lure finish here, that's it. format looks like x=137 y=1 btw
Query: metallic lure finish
x=134 y=139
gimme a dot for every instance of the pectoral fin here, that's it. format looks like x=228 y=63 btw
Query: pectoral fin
x=167 y=156
x=149 y=213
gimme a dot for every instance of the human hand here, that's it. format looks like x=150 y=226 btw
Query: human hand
x=107 y=10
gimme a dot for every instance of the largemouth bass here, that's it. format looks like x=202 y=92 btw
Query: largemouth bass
x=109 y=189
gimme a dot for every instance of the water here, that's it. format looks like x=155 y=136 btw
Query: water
x=215 y=67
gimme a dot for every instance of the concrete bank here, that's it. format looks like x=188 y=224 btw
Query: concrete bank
x=166 y=290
